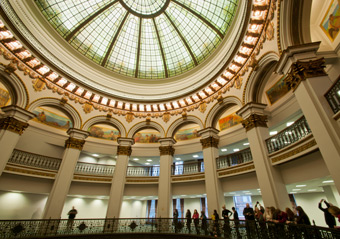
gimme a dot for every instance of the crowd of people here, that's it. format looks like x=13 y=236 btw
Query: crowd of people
x=276 y=218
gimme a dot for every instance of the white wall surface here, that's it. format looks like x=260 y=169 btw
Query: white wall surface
x=133 y=209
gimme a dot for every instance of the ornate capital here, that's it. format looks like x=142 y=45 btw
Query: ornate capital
x=255 y=120
x=166 y=150
x=13 y=125
x=302 y=70
x=210 y=142
x=74 y=143
x=124 y=150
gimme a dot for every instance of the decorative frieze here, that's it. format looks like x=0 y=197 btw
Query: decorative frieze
x=13 y=125
x=254 y=120
x=301 y=70
x=166 y=150
x=74 y=143
x=210 y=142
x=124 y=150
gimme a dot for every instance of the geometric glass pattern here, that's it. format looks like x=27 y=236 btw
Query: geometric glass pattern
x=146 y=39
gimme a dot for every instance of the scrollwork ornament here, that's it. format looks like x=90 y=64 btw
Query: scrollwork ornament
x=210 y=142
x=302 y=70
x=166 y=150
x=13 y=125
x=124 y=150
x=74 y=143
x=255 y=120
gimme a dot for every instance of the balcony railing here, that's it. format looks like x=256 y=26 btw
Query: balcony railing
x=160 y=228
x=34 y=160
x=143 y=171
x=187 y=168
x=237 y=158
x=94 y=169
x=300 y=129
x=333 y=96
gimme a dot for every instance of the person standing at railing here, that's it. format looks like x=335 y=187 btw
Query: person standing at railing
x=204 y=224
x=236 y=221
x=248 y=213
x=301 y=216
x=330 y=220
x=226 y=214
x=188 y=217
x=335 y=211
x=71 y=216
x=175 y=216
x=196 y=218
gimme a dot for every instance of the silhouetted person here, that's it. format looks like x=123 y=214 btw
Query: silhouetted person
x=71 y=216
x=330 y=220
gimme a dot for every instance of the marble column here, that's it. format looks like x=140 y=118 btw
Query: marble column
x=164 y=181
x=119 y=177
x=12 y=127
x=213 y=187
x=56 y=199
x=273 y=189
x=309 y=81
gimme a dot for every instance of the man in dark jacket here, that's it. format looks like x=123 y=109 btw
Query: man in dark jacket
x=248 y=213
x=330 y=220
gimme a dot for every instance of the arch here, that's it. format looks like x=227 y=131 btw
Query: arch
x=66 y=108
x=102 y=119
x=16 y=88
x=258 y=77
x=180 y=122
x=144 y=125
x=217 y=110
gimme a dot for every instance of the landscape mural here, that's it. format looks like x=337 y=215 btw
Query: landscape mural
x=277 y=91
x=107 y=132
x=331 y=21
x=229 y=121
x=151 y=136
x=52 y=118
x=187 y=133
x=4 y=97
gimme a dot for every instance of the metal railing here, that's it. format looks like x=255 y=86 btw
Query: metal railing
x=237 y=158
x=187 y=168
x=94 y=169
x=300 y=129
x=34 y=160
x=60 y=228
x=143 y=171
x=333 y=96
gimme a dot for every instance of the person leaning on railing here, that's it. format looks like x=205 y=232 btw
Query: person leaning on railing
x=335 y=211
x=330 y=220
x=196 y=217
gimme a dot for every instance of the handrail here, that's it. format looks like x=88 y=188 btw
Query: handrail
x=59 y=228
x=300 y=129
x=233 y=159
x=143 y=171
x=187 y=168
x=94 y=169
x=333 y=97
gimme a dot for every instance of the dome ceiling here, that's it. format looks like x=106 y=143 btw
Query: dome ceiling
x=147 y=39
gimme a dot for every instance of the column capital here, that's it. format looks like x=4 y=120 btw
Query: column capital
x=167 y=141
x=254 y=121
x=251 y=108
x=74 y=143
x=122 y=141
x=302 y=70
x=18 y=113
x=208 y=132
x=166 y=150
x=210 y=142
x=124 y=147
x=77 y=133
x=13 y=125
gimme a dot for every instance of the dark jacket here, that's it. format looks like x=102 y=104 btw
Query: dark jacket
x=330 y=220
x=248 y=213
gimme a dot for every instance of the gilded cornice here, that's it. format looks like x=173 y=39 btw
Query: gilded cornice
x=13 y=125
x=255 y=120
x=209 y=142
x=74 y=143
x=40 y=173
x=196 y=177
x=124 y=150
x=302 y=70
x=88 y=178
x=237 y=170
x=166 y=150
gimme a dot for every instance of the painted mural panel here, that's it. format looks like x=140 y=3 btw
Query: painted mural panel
x=107 y=132
x=52 y=118
x=4 y=97
x=187 y=133
x=146 y=137
x=277 y=91
x=331 y=21
x=229 y=121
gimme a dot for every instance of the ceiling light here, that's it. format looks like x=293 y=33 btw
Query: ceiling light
x=149 y=160
x=246 y=191
x=328 y=181
x=236 y=150
x=246 y=144
x=311 y=190
x=296 y=189
x=258 y=189
x=272 y=132
x=147 y=163
x=178 y=158
x=135 y=159
x=232 y=193
x=289 y=123
x=195 y=156
x=300 y=186
x=292 y=192
x=95 y=155
x=224 y=150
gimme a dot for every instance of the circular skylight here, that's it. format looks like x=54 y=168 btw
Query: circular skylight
x=148 y=39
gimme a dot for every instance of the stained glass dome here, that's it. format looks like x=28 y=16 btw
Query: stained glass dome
x=148 y=39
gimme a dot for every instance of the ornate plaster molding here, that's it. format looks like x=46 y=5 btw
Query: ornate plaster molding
x=166 y=150
x=13 y=125
x=124 y=150
x=210 y=142
x=255 y=120
x=74 y=143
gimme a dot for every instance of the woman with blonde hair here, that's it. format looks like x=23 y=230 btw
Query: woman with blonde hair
x=335 y=211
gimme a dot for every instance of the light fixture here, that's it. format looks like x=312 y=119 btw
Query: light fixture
x=195 y=156
x=289 y=123
x=272 y=132
x=292 y=192
x=311 y=190
x=95 y=155
x=246 y=191
x=232 y=193
x=136 y=159
x=147 y=163
x=258 y=189
x=300 y=186
x=178 y=158
x=149 y=160
x=236 y=150
x=246 y=144
x=224 y=150
x=296 y=189
x=328 y=181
